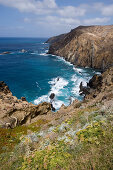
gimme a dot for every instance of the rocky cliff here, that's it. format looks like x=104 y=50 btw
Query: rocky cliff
x=85 y=46
x=75 y=137
x=14 y=112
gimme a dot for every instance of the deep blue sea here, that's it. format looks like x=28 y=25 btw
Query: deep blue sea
x=34 y=73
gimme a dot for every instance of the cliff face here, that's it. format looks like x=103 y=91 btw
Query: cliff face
x=55 y=38
x=14 y=112
x=85 y=46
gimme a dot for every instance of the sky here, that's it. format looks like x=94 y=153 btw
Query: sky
x=46 y=18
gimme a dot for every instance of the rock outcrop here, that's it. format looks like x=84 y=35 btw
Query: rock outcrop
x=100 y=88
x=55 y=38
x=85 y=46
x=72 y=138
x=6 y=52
x=14 y=112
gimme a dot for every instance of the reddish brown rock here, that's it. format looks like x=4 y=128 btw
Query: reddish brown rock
x=14 y=112
x=101 y=86
x=90 y=46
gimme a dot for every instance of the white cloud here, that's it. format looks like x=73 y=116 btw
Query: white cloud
x=42 y=7
x=34 y=6
x=96 y=21
x=59 y=19
x=53 y=21
x=108 y=10
x=71 y=11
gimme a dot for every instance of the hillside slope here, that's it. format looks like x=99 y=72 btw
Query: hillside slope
x=75 y=137
x=85 y=46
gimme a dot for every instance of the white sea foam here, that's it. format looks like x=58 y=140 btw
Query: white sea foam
x=46 y=51
x=44 y=54
x=44 y=98
x=97 y=72
x=57 y=104
x=44 y=43
x=80 y=70
x=33 y=53
x=66 y=62
x=74 y=78
x=57 y=84
x=76 y=83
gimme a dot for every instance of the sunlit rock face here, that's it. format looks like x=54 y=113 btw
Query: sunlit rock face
x=86 y=46
x=14 y=112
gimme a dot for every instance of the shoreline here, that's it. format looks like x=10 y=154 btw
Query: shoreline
x=79 y=70
x=82 y=47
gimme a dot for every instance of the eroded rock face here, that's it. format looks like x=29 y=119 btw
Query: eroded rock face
x=15 y=112
x=90 y=46
x=95 y=82
x=101 y=86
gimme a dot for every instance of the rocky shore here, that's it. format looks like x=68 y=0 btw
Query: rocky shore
x=33 y=137
x=78 y=136
x=15 y=112
x=85 y=46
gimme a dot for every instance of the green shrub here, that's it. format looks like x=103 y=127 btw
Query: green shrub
x=52 y=157
x=92 y=133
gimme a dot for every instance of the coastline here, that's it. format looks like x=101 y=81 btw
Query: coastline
x=85 y=46
x=33 y=134
x=58 y=87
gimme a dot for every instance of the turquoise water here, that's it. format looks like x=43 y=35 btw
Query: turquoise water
x=34 y=74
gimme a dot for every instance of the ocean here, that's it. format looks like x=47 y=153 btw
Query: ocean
x=35 y=75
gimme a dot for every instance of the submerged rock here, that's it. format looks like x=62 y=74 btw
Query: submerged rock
x=6 y=52
x=23 y=51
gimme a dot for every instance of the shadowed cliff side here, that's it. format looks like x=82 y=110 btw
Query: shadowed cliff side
x=85 y=46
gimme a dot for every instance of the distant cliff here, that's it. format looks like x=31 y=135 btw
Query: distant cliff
x=85 y=46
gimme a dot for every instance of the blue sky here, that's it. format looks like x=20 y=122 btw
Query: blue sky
x=45 y=18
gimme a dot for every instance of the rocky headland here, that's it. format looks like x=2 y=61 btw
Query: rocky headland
x=85 y=46
x=15 y=112
x=75 y=137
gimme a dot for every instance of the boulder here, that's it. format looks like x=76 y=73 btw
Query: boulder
x=95 y=82
x=4 y=88
x=52 y=95
x=23 y=99
x=84 y=90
